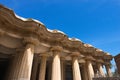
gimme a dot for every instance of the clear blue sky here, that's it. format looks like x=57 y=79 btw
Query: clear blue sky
x=96 y=22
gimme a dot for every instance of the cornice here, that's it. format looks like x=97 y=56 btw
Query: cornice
x=37 y=30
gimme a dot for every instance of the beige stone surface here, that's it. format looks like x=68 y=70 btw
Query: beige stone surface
x=76 y=69
x=100 y=69
x=21 y=39
x=42 y=71
x=90 y=70
x=108 y=70
x=56 y=68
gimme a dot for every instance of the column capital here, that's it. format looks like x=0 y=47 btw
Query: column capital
x=44 y=54
x=82 y=61
x=23 y=49
x=30 y=40
x=56 y=48
x=100 y=61
x=107 y=64
x=75 y=54
x=89 y=58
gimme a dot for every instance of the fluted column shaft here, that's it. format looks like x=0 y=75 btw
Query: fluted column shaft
x=101 y=70
x=26 y=65
x=76 y=69
x=108 y=70
x=90 y=70
x=22 y=64
x=42 y=68
x=16 y=67
x=56 y=69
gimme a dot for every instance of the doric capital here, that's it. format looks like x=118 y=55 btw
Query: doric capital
x=31 y=40
x=44 y=54
x=57 y=48
x=100 y=61
x=75 y=54
x=89 y=58
x=107 y=64
x=81 y=61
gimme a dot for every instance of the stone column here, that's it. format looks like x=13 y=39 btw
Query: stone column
x=85 y=75
x=100 y=69
x=13 y=67
x=21 y=69
x=95 y=68
x=16 y=65
x=35 y=67
x=42 y=71
x=75 y=66
x=49 y=70
x=108 y=70
x=76 y=69
x=62 y=68
x=56 y=68
x=26 y=63
x=90 y=70
x=23 y=61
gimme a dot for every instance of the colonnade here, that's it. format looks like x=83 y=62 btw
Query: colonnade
x=25 y=66
x=22 y=65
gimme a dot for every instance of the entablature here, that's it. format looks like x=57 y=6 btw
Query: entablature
x=14 y=26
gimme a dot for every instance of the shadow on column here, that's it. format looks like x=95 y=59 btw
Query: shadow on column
x=68 y=72
x=3 y=68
